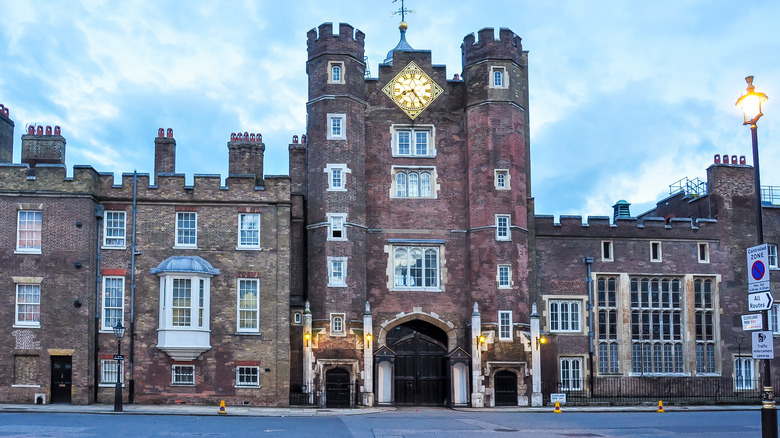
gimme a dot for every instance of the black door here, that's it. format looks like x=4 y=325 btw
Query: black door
x=420 y=374
x=505 y=388
x=61 y=380
x=337 y=388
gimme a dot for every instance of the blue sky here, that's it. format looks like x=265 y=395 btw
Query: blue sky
x=627 y=97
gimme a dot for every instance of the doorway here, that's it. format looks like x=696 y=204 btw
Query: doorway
x=505 y=383
x=420 y=364
x=337 y=388
x=61 y=379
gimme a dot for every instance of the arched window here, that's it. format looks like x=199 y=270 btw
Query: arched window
x=498 y=78
x=414 y=185
x=400 y=185
x=336 y=73
x=425 y=185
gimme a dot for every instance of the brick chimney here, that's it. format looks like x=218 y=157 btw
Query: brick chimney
x=164 y=153
x=245 y=155
x=6 y=136
x=43 y=146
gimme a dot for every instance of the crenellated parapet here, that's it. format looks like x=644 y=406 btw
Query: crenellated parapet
x=626 y=227
x=349 y=41
x=508 y=46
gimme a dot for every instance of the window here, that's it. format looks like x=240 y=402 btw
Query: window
x=110 y=370
x=413 y=142
x=498 y=78
x=183 y=375
x=564 y=315
x=337 y=177
x=297 y=318
x=773 y=319
x=337 y=324
x=772 y=254
x=656 y=325
x=248 y=305
x=571 y=373
x=704 y=252
x=705 y=325
x=502 y=227
x=336 y=226
x=337 y=268
x=113 y=302
x=187 y=229
x=114 y=229
x=335 y=72
x=28 y=232
x=337 y=127
x=182 y=302
x=249 y=231
x=248 y=377
x=505 y=325
x=414 y=183
x=416 y=268
x=501 y=179
x=744 y=368
x=504 y=276
x=606 y=304
x=28 y=305
x=655 y=251
x=606 y=251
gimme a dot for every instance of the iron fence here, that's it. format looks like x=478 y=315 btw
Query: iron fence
x=638 y=390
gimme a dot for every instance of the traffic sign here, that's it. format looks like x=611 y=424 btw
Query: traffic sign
x=752 y=322
x=763 y=345
x=119 y=357
x=758 y=274
x=760 y=301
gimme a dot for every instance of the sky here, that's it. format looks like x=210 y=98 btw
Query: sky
x=626 y=97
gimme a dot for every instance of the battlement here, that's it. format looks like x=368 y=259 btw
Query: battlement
x=348 y=42
x=507 y=47
x=626 y=227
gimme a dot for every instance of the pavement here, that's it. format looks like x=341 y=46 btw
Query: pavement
x=251 y=411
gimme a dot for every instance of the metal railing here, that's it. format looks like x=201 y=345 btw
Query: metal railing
x=770 y=195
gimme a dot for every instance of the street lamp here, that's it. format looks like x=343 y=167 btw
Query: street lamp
x=119 y=333
x=750 y=104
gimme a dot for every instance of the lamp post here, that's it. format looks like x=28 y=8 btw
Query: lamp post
x=119 y=332
x=750 y=104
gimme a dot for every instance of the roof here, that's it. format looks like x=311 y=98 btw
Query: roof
x=188 y=264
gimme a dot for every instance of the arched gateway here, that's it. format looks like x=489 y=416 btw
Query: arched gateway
x=420 y=375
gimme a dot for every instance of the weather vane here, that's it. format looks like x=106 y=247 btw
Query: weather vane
x=403 y=11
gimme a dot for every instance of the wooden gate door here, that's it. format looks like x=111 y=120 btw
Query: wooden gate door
x=420 y=377
x=505 y=388
x=337 y=388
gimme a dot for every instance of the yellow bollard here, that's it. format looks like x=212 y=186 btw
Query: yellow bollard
x=222 y=407
x=660 y=406
x=557 y=407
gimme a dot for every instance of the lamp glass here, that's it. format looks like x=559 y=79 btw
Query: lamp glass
x=119 y=331
x=750 y=104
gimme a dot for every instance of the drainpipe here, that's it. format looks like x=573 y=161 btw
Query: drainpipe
x=99 y=217
x=131 y=389
x=589 y=263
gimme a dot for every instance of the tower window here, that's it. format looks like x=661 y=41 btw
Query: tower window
x=655 y=252
x=337 y=127
x=606 y=251
x=417 y=141
x=498 y=77
x=335 y=72
x=501 y=179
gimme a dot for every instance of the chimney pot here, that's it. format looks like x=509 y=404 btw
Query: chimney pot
x=725 y=159
x=48 y=130
x=170 y=132
x=733 y=159
x=57 y=130
x=295 y=139
x=160 y=133
x=742 y=159
x=39 y=131
x=717 y=158
x=31 y=130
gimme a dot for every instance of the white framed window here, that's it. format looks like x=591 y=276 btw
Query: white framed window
x=337 y=324
x=502 y=227
x=337 y=177
x=110 y=371
x=774 y=312
x=28 y=231
x=114 y=230
x=504 y=325
x=498 y=77
x=703 y=252
x=656 y=254
x=656 y=325
x=413 y=141
x=337 y=271
x=249 y=231
x=185 y=302
x=248 y=377
x=297 y=318
x=28 y=305
x=606 y=303
x=606 y=251
x=744 y=373
x=705 y=325
x=571 y=373
x=501 y=179
x=248 y=308
x=565 y=315
x=337 y=126
x=113 y=302
x=335 y=72
x=186 y=229
x=504 y=276
x=337 y=229
x=416 y=268
x=183 y=375
x=772 y=255
x=413 y=182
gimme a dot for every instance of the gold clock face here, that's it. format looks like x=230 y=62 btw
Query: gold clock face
x=412 y=90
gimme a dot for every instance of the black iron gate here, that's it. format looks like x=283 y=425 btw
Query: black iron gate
x=505 y=386
x=337 y=388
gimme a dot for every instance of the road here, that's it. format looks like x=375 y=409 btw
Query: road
x=406 y=422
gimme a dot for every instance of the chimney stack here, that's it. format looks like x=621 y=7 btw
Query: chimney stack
x=6 y=136
x=43 y=148
x=245 y=155
x=164 y=153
